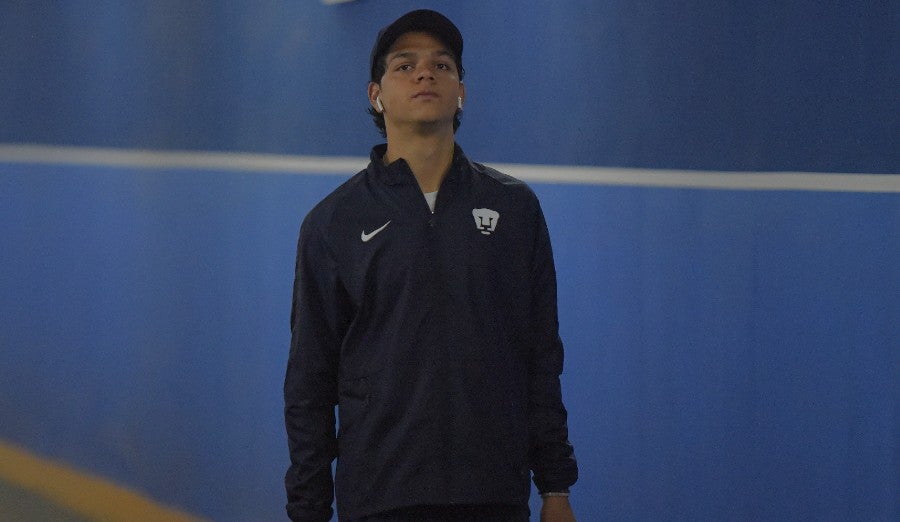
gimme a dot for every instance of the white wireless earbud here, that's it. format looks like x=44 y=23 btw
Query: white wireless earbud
x=378 y=104
x=459 y=102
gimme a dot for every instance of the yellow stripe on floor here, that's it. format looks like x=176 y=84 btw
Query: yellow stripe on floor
x=88 y=495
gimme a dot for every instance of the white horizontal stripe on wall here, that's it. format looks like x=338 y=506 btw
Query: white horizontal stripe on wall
x=345 y=166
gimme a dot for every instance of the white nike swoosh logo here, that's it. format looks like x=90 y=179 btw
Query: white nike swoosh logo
x=365 y=237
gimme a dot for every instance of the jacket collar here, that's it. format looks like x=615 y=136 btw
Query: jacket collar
x=399 y=173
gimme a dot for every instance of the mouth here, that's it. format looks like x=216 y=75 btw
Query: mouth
x=425 y=94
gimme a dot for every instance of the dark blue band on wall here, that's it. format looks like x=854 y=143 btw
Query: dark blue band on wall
x=796 y=86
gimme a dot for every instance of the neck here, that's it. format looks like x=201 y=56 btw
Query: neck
x=429 y=156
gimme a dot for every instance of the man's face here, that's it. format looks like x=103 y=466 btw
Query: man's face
x=420 y=85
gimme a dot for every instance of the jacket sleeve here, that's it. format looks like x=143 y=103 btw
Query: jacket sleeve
x=318 y=317
x=551 y=455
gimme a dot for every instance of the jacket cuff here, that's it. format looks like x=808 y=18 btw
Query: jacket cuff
x=300 y=513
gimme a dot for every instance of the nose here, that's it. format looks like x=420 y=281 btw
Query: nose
x=425 y=73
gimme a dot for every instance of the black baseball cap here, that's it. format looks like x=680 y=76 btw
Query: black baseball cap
x=421 y=20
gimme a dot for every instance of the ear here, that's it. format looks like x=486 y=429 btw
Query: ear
x=374 y=93
x=461 y=96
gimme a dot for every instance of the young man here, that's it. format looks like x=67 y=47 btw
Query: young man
x=425 y=310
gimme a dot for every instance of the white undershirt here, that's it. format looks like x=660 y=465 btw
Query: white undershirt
x=431 y=198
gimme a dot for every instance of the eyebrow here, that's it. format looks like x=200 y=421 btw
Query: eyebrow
x=412 y=54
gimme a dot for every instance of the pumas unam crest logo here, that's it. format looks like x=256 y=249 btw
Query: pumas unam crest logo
x=485 y=220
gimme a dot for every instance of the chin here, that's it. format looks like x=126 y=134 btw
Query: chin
x=435 y=119
x=432 y=125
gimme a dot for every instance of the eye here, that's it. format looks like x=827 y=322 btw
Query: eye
x=405 y=67
x=443 y=66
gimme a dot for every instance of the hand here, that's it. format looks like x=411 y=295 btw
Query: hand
x=557 y=509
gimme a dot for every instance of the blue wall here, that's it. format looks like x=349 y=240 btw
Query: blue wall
x=730 y=354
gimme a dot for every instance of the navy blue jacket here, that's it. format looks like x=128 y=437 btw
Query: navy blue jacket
x=436 y=336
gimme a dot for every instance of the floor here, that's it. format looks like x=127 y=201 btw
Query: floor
x=21 y=505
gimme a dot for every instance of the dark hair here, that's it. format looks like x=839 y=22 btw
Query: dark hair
x=380 y=67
